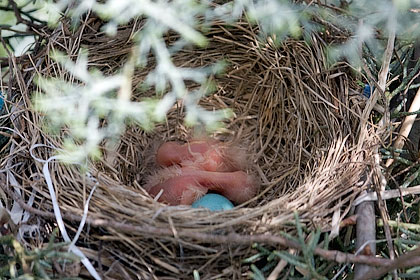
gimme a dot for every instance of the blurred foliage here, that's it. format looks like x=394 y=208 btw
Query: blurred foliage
x=82 y=108
x=15 y=34
x=17 y=262
x=365 y=23
x=296 y=264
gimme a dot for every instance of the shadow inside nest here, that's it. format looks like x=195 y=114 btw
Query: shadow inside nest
x=286 y=110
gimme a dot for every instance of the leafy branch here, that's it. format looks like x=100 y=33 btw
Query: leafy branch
x=20 y=262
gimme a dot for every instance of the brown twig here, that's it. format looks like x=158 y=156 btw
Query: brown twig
x=19 y=17
x=384 y=214
x=10 y=28
x=365 y=231
x=26 y=13
x=406 y=127
x=231 y=238
x=388 y=194
x=381 y=86
x=409 y=259
x=383 y=74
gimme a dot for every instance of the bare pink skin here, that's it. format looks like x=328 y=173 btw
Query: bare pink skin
x=187 y=184
x=209 y=155
x=178 y=190
x=237 y=186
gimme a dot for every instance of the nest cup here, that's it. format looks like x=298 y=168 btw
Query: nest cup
x=299 y=118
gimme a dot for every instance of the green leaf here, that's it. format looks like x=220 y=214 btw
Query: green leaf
x=291 y=259
x=257 y=274
x=253 y=258
x=313 y=242
x=7 y=18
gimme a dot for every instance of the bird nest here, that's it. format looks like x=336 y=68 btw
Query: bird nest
x=300 y=120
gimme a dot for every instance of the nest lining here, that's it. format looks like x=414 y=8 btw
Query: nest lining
x=298 y=118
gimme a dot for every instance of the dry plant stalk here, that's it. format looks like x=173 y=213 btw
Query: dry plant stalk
x=406 y=127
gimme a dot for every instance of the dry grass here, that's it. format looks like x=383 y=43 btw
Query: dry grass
x=298 y=117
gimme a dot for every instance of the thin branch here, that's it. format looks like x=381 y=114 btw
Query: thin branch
x=10 y=28
x=365 y=231
x=27 y=13
x=388 y=194
x=384 y=214
x=406 y=126
x=397 y=224
x=407 y=260
x=19 y=18
x=231 y=238
x=383 y=76
x=384 y=122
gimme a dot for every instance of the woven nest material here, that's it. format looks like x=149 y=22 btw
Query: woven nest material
x=300 y=121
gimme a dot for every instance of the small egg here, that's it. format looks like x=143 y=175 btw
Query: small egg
x=213 y=202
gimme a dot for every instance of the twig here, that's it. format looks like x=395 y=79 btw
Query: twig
x=277 y=270
x=395 y=224
x=384 y=214
x=387 y=194
x=11 y=29
x=19 y=18
x=406 y=260
x=369 y=219
x=365 y=231
x=27 y=13
x=406 y=126
x=231 y=238
x=403 y=114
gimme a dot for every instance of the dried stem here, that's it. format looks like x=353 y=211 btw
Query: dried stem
x=406 y=126
x=231 y=238
x=407 y=260
x=368 y=207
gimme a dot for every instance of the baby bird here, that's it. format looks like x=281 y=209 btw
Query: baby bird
x=210 y=155
x=185 y=185
x=179 y=190
x=192 y=169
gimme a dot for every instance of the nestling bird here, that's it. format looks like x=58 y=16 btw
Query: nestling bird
x=191 y=170
x=185 y=185
x=210 y=155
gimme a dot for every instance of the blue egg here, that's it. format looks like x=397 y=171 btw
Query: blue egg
x=213 y=202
